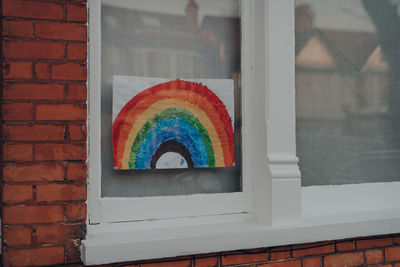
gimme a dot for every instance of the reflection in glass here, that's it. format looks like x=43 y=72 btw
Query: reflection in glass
x=169 y=39
x=348 y=91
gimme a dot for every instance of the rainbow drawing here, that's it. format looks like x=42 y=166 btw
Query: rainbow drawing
x=172 y=124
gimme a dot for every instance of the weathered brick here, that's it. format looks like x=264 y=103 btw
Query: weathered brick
x=17 y=193
x=72 y=252
x=17 y=70
x=206 y=260
x=312 y=249
x=32 y=9
x=292 y=263
x=347 y=259
x=34 y=91
x=17 y=112
x=76 y=51
x=311 y=262
x=33 y=132
x=178 y=263
x=372 y=243
x=17 y=236
x=76 y=212
x=56 y=233
x=60 y=192
x=35 y=257
x=38 y=172
x=345 y=245
x=76 y=92
x=63 y=31
x=60 y=152
x=279 y=253
x=76 y=171
x=60 y=112
x=374 y=256
x=20 y=28
x=33 y=50
x=32 y=214
x=17 y=152
x=42 y=70
x=77 y=132
x=69 y=71
x=392 y=254
x=76 y=13
x=228 y=259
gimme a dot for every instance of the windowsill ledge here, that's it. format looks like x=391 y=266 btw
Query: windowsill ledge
x=118 y=242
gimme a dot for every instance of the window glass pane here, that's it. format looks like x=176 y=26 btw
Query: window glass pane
x=348 y=91
x=172 y=39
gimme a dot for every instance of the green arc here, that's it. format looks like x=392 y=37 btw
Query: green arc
x=166 y=114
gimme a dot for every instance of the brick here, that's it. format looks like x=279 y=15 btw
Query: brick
x=76 y=13
x=311 y=262
x=374 y=256
x=392 y=254
x=60 y=112
x=34 y=91
x=228 y=259
x=17 y=70
x=396 y=240
x=178 y=263
x=72 y=252
x=76 y=212
x=32 y=214
x=77 y=51
x=279 y=253
x=20 y=28
x=76 y=171
x=17 y=152
x=38 y=172
x=31 y=9
x=77 y=132
x=56 y=233
x=17 y=193
x=35 y=257
x=60 y=192
x=63 y=31
x=17 y=236
x=33 y=50
x=69 y=71
x=302 y=250
x=292 y=263
x=42 y=70
x=373 y=243
x=206 y=260
x=345 y=245
x=347 y=259
x=17 y=112
x=60 y=152
x=33 y=132
x=76 y=92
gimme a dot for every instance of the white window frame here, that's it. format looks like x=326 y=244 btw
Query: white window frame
x=273 y=208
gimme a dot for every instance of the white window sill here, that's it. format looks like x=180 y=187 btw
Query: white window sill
x=355 y=213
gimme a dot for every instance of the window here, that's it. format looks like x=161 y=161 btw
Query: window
x=272 y=208
x=346 y=86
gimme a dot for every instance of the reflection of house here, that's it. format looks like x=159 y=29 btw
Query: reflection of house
x=165 y=45
x=344 y=72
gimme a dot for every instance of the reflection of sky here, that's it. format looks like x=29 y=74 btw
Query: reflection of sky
x=341 y=14
x=225 y=8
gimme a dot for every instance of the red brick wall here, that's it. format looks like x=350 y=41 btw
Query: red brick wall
x=43 y=131
x=44 y=153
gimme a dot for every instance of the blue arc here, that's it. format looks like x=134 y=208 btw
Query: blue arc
x=172 y=129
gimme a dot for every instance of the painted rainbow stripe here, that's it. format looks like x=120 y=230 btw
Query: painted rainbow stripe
x=177 y=116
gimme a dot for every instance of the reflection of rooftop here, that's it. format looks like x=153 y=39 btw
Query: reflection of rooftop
x=347 y=50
